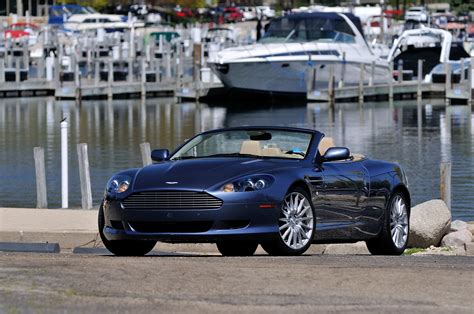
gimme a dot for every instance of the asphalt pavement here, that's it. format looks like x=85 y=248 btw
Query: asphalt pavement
x=208 y=283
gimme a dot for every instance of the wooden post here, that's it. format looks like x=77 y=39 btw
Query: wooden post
x=110 y=79
x=447 y=68
x=469 y=83
x=361 y=83
x=372 y=73
x=390 y=82
x=84 y=176
x=96 y=72
x=420 y=77
x=41 y=192
x=2 y=70
x=343 y=70
x=17 y=70
x=146 y=153
x=400 y=71
x=331 y=86
x=143 y=77
x=130 y=70
x=445 y=183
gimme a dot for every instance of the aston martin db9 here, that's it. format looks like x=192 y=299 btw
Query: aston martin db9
x=281 y=188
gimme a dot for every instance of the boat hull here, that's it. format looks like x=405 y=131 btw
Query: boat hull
x=290 y=77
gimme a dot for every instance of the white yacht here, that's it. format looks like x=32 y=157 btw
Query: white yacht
x=279 y=62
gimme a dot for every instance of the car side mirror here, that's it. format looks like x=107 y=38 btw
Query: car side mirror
x=159 y=154
x=337 y=153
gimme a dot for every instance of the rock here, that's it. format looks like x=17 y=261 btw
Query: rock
x=469 y=249
x=470 y=227
x=347 y=248
x=458 y=225
x=429 y=222
x=457 y=238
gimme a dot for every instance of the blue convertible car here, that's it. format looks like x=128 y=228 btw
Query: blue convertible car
x=282 y=188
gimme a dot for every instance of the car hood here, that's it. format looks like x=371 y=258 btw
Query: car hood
x=200 y=174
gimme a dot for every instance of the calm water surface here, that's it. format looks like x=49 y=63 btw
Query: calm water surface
x=114 y=131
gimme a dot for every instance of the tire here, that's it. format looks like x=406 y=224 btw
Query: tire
x=393 y=238
x=237 y=248
x=297 y=223
x=123 y=247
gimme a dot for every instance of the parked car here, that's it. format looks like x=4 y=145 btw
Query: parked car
x=282 y=188
x=249 y=13
x=18 y=31
x=233 y=15
x=416 y=14
x=266 y=12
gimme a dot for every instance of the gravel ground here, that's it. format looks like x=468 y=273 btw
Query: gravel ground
x=206 y=283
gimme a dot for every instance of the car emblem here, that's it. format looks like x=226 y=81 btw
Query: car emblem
x=171 y=182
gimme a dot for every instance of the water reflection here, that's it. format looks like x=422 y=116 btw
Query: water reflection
x=418 y=135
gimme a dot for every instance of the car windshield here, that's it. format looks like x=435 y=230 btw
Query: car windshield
x=308 y=30
x=258 y=143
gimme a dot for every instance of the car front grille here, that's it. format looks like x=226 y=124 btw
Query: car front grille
x=169 y=200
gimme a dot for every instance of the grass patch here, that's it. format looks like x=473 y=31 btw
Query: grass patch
x=412 y=251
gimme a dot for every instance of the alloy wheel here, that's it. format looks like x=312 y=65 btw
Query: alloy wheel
x=399 y=222
x=296 y=221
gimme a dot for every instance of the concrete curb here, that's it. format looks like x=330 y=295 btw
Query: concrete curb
x=29 y=247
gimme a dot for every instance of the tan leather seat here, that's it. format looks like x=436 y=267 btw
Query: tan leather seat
x=271 y=152
x=325 y=144
x=251 y=147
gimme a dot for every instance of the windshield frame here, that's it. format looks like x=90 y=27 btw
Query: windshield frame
x=314 y=135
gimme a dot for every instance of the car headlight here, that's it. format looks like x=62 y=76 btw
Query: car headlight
x=118 y=184
x=248 y=184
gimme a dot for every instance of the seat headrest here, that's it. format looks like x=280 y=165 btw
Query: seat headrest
x=325 y=144
x=251 y=147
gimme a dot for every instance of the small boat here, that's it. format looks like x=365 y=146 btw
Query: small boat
x=434 y=46
x=292 y=45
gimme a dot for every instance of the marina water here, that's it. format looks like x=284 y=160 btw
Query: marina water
x=114 y=130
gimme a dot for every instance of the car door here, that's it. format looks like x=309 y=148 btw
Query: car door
x=344 y=191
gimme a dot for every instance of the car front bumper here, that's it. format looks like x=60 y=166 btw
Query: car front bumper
x=232 y=221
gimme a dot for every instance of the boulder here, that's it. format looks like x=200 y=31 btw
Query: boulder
x=457 y=238
x=470 y=227
x=429 y=222
x=357 y=248
x=458 y=225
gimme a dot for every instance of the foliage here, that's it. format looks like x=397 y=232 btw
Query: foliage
x=96 y=4
x=193 y=4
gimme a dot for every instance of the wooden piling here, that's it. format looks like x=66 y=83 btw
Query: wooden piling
x=84 y=176
x=343 y=70
x=361 y=83
x=390 y=82
x=143 y=77
x=41 y=191
x=445 y=183
x=331 y=82
x=146 y=153
x=372 y=73
x=400 y=71
x=2 y=70
x=420 y=77
x=448 y=71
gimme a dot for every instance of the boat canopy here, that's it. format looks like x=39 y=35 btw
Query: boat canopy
x=317 y=26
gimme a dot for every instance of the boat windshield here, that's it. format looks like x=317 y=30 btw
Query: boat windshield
x=253 y=143
x=308 y=30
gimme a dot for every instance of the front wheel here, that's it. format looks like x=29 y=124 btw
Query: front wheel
x=393 y=237
x=296 y=225
x=237 y=248
x=123 y=247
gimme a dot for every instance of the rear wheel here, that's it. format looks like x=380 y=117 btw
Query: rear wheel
x=296 y=225
x=237 y=248
x=393 y=237
x=123 y=247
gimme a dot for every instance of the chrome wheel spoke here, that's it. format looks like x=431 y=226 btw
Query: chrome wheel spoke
x=399 y=222
x=296 y=221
